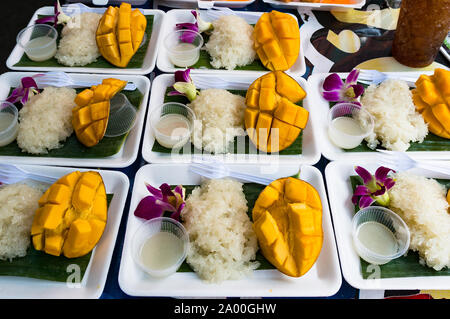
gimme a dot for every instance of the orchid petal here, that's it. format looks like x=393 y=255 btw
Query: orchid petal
x=154 y=191
x=332 y=96
x=166 y=191
x=333 y=82
x=28 y=82
x=148 y=209
x=46 y=20
x=381 y=173
x=186 y=26
x=358 y=90
x=180 y=190
x=365 y=201
x=389 y=183
x=364 y=174
x=379 y=192
x=361 y=190
x=187 y=89
x=173 y=93
x=183 y=76
x=352 y=77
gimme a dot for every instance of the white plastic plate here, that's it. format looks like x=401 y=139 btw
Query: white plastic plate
x=310 y=152
x=323 y=279
x=337 y=175
x=94 y=278
x=193 y=4
x=129 y=151
x=319 y=114
x=147 y=66
x=315 y=6
x=181 y=16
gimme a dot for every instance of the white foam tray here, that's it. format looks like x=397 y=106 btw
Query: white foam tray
x=310 y=152
x=181 y=16
x=149 y=60
x=129 y=151
x=94 y=279
x=323 y=279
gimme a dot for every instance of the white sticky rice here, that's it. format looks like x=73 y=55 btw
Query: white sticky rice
x=231 y=43
x=220 y=118
x=78 y=46
x=397 y=123
x=45 y=121
x=223 y=243
x=18 y=203
x=421 y=202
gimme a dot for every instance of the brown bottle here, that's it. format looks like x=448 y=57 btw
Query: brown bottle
x=421 y=30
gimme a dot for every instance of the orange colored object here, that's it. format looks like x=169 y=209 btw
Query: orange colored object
x=71 y=216
x=287 y=219
x=90 y=116
x=120 y=33
x=277 y=40
x=432 y=99
x=272 y=119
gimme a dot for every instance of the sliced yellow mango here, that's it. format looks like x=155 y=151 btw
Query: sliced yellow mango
x=120 y=33
x=272 y=119
x=71 y=216
x=277 y=40
x=90 y=116
x=432 y=99
x=287 y=219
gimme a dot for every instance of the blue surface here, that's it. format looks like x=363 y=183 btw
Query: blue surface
x=112 y=289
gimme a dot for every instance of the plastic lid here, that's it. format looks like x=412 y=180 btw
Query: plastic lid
x=122 y=116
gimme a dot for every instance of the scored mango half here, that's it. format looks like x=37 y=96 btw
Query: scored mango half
x=277 y=40
x=71 y=216
x=432 y=99
x=287 y=219
x=120 y=33
x=90 y=116
x=272 y=119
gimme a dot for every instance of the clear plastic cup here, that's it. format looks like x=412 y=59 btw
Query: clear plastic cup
x=122 y=116
x=391 y=222
x=344 y=128
x=183 y=53
x=38 y=41
x=151 y=228
x=9 y=125
x=176 y=114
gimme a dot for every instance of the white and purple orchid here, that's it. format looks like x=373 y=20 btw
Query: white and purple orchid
x=336 y=90
x=184 y=85
x=374 y=188
x=22 y=93
x=199 y=26
x=162 y=200
x=59 y=16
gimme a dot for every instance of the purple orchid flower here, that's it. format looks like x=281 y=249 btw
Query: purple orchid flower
x=162 y=200
x=58 y=18
x=22 y=93
x=336 y=90
x=199 y=26
x=375 y=187
x=184 y=85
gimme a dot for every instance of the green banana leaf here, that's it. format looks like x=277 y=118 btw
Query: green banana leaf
x=251 y=192
x=72 y=148
x=136 y=61
x=294 y=149
x=405 y=266
x=39 y=265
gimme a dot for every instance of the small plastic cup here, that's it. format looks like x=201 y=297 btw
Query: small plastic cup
x=388 y=219
x=9 y=125
x=183 y=47
x=177 y=137
x=348 y=139
x=152 y=227
x=122 y=116
x=38 y=41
